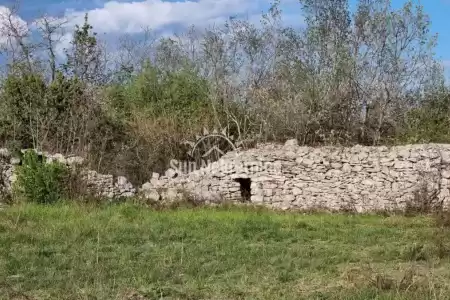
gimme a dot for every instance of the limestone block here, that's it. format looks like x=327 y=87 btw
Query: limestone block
x=171 y=173
x=446 y=174
x=307 y=162
x=5 y=153
x=122 y=181
x=170 y=194
x=75 y=161
x=147 y=186
x=297 y=191
x=404 y=153
x=15 y=161
x=151 y=194
x=336 y=165
x=257 y=199
x=445 y=155
x=346 y=168
x=368 y=182
x=357 y=169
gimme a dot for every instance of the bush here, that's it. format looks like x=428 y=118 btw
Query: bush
x=424 y=201
x=152 y=115
x=38 y=181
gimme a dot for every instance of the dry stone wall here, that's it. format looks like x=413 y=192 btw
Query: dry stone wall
x=361 y=179
x=99 y=185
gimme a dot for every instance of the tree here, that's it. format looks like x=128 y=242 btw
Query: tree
x=393 y=59
x=23 y=110
x=84 y=58
x=17 y=39
x=51 y=31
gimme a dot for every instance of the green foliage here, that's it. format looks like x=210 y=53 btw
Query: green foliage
x=55 y=116
x=83 y=58
x=62 y=92
x=38 y=181
x=430 y=122
x=156 y=110
x=183 y=94
x=21 y=105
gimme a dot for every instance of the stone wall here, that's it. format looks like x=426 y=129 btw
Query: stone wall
x=98 y=185
x=287 y=176
x=362 y=179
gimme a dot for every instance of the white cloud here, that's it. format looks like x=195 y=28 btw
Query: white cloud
x=118 y=17
x=7 y=20
x=446 y=64
x=133 y=17
x=63 y=44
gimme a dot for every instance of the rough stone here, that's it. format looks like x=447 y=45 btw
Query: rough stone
x=291 y=143
x=58 y=157
x=121 y=181
x=4 y=152
x=446 y=174
x=297 y=191
x=15 y=161
x=151 y=194
x=147 y=187
x=368 y=178
x=75 y=161
x=171 y=173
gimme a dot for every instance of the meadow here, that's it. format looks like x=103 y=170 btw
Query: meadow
x=71 y=251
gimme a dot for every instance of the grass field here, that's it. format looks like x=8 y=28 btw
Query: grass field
x=68 y=251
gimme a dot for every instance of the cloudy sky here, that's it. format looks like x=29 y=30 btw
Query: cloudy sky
x=130 y=16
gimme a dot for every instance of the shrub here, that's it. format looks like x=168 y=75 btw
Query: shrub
x=424 y=201
x=152 y=115
x=38 y=181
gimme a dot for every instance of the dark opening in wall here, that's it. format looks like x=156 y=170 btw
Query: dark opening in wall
x=246 y=191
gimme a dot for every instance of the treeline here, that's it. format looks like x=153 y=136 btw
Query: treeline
x=364 y=77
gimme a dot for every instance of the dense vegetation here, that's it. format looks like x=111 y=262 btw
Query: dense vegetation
x=124 y=252
x=367 y=76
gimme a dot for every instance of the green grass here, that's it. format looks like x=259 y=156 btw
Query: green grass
x=69 y=251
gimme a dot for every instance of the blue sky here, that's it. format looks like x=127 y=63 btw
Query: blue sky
x=121 y=16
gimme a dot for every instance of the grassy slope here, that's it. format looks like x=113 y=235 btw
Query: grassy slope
x=73 y=252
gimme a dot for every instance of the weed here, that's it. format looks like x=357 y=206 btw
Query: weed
x=38 y=181
x=424 y=200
